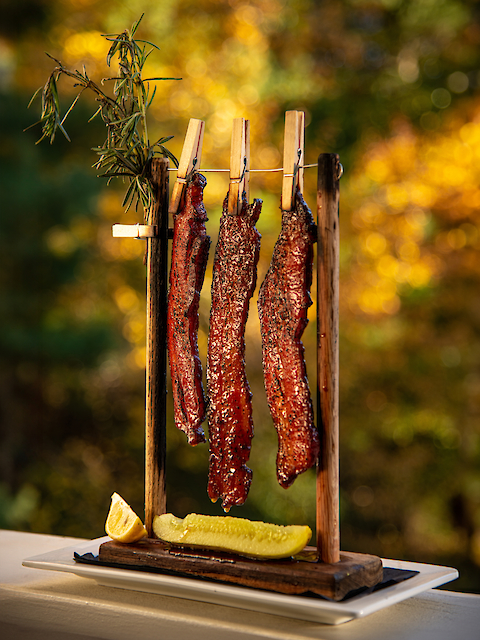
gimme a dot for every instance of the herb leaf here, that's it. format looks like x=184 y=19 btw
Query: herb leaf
x=127 y=151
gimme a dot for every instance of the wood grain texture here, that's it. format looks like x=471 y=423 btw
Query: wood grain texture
x=328 y=529
x=290 y=576
x=156 y=365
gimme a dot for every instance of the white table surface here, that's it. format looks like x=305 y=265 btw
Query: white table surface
x=41 y=605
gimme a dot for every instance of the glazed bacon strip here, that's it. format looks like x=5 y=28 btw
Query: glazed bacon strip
x=189 y=259
x=283 y=302
x=230 y=424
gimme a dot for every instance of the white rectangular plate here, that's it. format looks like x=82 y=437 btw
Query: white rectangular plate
x=299 y=607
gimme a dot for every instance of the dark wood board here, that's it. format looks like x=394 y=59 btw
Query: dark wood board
x=297 y=575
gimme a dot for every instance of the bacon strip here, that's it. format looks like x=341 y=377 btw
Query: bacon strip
x=230 y=424
x=283 y=301
x=189 y=259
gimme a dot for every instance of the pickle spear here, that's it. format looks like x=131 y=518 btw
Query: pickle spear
x=233 y=535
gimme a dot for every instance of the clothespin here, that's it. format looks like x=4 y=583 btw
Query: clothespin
x=293 y=157
x=239 y=164
x=189 y=160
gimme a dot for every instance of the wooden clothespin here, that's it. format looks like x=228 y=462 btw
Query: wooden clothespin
x=239 y=164
x=293 y=157
x=189 y=160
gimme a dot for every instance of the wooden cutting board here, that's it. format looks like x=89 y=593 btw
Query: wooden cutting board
x=297 y=575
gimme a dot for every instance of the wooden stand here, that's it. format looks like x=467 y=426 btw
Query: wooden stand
x=325 y=570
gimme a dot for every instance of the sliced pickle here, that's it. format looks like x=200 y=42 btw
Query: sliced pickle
x=234 y=535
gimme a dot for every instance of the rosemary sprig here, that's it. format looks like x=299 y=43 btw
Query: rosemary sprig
x=126 y=151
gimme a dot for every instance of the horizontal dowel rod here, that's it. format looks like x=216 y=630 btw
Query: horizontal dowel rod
x=134 y=231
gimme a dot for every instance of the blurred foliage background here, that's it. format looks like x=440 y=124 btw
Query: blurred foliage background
x=393 y=86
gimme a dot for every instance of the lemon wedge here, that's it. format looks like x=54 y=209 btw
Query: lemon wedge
x=123 y=524
x=235 y=535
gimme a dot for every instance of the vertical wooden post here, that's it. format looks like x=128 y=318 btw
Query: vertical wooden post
x=156 y=373
x=328 y=527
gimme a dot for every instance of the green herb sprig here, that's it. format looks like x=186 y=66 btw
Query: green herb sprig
x=127 y=151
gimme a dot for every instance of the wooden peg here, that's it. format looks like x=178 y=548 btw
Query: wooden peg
x=293 y=157
x=134 y=231
x=239 y=164
x=189 y=160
